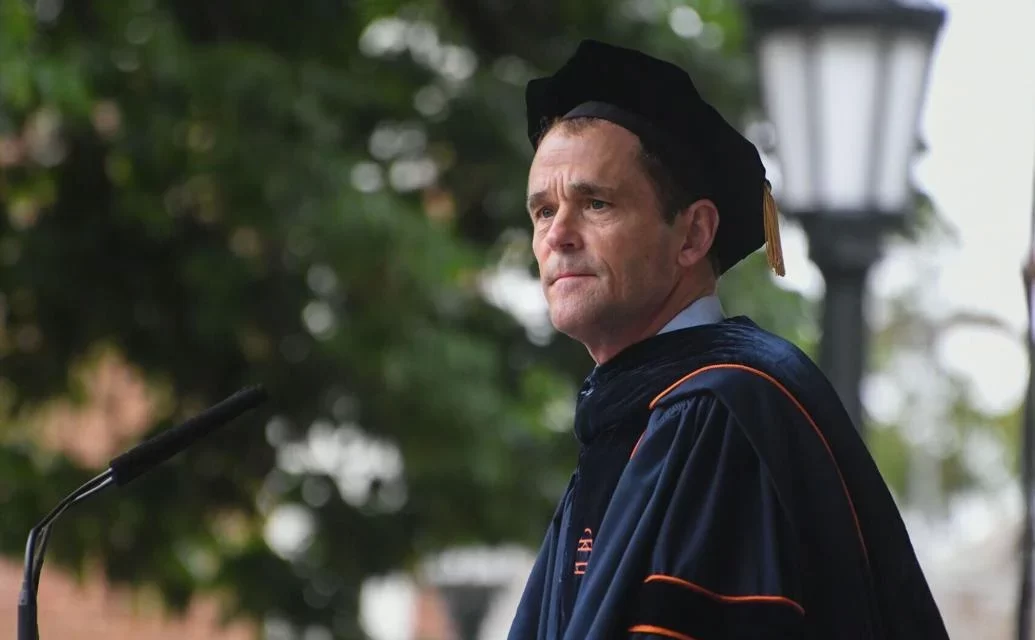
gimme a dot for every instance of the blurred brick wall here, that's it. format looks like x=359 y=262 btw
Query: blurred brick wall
x=69 y=610
x=118 y=408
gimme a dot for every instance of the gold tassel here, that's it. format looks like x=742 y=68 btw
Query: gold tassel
x=771 y=221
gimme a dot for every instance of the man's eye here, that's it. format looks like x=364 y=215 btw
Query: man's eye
x=597 y=204
x=544 y=213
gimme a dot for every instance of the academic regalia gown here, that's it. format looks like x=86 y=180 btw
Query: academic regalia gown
x=722 y=492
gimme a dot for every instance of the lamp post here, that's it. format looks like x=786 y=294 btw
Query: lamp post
x=843 y=82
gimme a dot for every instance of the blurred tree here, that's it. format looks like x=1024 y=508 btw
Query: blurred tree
x=934 y=438
x=311 y=195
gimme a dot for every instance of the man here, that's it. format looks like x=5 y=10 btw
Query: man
x=721 y=490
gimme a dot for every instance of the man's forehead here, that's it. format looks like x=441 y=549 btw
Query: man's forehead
x=591 y=155
x=588 y=132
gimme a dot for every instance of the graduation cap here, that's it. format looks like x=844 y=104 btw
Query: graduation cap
x=657 y=101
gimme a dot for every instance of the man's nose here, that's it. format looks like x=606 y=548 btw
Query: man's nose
x=564 y=233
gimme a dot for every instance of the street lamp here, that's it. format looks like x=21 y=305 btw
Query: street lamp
x=843 y=82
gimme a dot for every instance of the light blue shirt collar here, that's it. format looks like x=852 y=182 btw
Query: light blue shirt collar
x=706 y=310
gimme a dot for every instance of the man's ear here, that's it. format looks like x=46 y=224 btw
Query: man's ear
x=700 y=222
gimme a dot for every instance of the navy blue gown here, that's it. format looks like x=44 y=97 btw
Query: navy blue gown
x=722 y=493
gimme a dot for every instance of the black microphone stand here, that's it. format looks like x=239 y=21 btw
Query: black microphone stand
x=121 y=471
x=36 y=548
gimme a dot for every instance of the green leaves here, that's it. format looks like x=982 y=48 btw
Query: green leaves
x=302 y=195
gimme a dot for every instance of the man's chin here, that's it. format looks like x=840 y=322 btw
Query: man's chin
x=574 y=324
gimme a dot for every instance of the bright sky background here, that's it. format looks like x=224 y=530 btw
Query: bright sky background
x=980 y=123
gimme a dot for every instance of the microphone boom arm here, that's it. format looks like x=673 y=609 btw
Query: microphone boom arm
x=35 y=550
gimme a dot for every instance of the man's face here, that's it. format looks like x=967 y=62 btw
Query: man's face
x=607 y=258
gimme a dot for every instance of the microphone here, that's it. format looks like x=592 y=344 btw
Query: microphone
x=121 y=471
x=153 y=452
